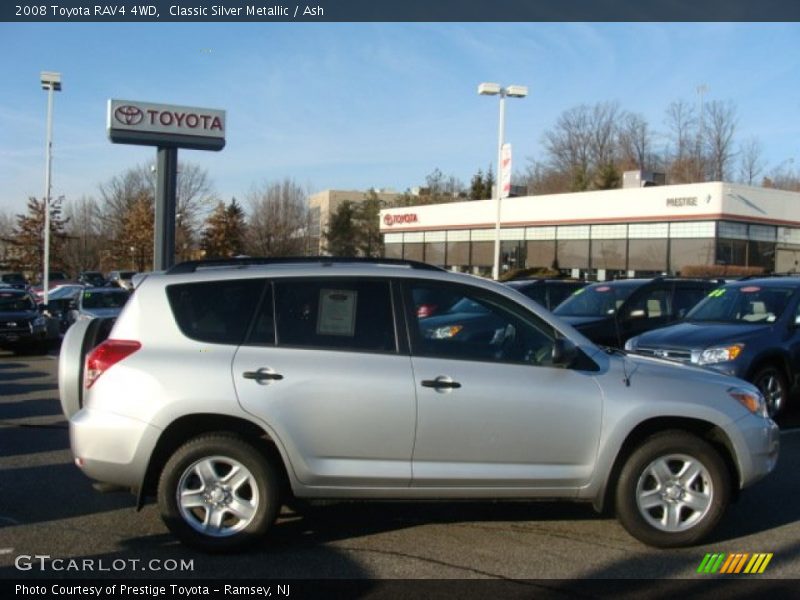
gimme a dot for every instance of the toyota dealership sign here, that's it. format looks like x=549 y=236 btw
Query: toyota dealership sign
x=165 y=125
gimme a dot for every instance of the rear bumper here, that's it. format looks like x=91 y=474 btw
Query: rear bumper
x=112 y=448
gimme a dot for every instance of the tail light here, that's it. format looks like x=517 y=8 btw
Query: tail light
x=105 y=356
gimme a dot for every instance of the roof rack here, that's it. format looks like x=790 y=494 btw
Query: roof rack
x=191 y=266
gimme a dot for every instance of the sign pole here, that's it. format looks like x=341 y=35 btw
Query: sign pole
x=165 y=209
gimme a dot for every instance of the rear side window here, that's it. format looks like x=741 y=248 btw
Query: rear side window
x=335 y=313
x=217 y=312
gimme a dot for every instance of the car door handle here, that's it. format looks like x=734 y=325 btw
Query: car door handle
x=262 y=375
x=441 y=383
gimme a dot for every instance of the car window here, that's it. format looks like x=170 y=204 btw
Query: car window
x=216 y=312
x=536 y=292
x=652 y=303
x=103 y=299
x=263 y=332
x=686 y=298
x=10 y=302
x=335 y=313
x=598 y=300
x=500 y=331
x=561 y=291
x=747 y=303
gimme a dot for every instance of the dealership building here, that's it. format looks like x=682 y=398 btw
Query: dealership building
x=603 y=234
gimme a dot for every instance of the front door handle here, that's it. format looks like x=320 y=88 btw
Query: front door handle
x=263 y=374
x=441 y=383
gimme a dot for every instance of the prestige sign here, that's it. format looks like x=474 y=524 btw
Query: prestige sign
x=165 y=125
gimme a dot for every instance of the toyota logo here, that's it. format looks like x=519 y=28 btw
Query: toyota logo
x=387 y=220
x=129 y=115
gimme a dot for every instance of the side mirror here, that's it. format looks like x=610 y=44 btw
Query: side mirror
x=564 y=352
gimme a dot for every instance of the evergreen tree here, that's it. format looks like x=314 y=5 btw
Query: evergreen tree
x=28 y=237
x=342 y=236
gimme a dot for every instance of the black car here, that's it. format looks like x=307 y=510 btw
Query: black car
x=13 y=280
x=611 y=312
x=749 y=329
x=92 y=278
x=22 y=326
x=547 y=292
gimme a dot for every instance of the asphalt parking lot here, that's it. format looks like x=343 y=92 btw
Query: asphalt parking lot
x=47 y=507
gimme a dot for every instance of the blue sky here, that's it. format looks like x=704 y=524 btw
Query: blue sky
x=353 y=106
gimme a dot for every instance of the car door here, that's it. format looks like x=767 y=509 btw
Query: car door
x=492 y=409
x=322 y=368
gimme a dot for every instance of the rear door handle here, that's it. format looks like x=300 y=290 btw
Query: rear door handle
x=441 y=383
x=263 y=374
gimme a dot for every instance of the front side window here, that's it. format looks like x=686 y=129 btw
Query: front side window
x=480 y=326
x=339 y=314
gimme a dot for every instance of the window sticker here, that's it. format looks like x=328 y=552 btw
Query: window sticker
x=337 y=312
x=602 y=288
x=717 y=293
x=750 y=289
x=578 y=291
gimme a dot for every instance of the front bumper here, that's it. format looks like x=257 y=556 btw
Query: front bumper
x=112 y=448
x=757 y=443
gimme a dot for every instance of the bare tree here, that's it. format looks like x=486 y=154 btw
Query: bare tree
x=85 y=242
x=751 y=163
x=635 y=142
x=719 y=128
x=685 y=163
x=279 y=219
x=569 y=146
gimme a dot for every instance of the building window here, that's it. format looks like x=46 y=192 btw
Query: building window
x=647 y=255
x=732 y=252
x=686 y=252
x=541 y=254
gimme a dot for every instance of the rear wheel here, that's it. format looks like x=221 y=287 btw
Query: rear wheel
x=772 y=384
x=672 y=490
x=218 y=492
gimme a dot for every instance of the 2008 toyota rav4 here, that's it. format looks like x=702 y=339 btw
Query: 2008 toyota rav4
x=225 y=387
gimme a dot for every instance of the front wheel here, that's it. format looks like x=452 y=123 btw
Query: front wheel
x=673 y=490
x=218 y=493
x=772 y=384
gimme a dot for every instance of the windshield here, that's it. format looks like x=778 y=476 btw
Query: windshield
x=104 y=300
x=16 y=302
x=598 y=300
x=742 y=304
x=465 y=305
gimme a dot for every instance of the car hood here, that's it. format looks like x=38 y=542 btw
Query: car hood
x=578 y=322
x=18 y=315
x=699 y=335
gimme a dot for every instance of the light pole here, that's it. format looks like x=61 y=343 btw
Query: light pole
x=512 y=91
x=51 y=82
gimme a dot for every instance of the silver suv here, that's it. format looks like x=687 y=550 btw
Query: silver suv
x=228 y=388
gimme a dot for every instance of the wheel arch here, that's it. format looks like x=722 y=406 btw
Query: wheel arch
x=187 y=427
x=646 y=429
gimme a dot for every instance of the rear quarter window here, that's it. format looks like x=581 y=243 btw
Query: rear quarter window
x=217 y=312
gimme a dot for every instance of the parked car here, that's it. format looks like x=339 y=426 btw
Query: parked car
x=92 y=278
x=98 y=302
x=749 y=329
x=13 y=280
x=61 y=300
x=55 y=280
x=23 y=329
x=547 y=292
x=121 y=279
x=224 y=391
x=611 y=312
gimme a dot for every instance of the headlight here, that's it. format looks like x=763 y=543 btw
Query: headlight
x=443 y=333
x=752 y=401
x=632 y=344
x=718 y=354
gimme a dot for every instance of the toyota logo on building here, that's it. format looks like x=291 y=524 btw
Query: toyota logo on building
x=406 y=218
x=129 y=114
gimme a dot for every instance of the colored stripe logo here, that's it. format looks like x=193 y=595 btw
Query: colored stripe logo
x=736 y=563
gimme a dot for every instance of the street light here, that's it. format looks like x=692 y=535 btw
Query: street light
x=512 y=91
x=51 y=82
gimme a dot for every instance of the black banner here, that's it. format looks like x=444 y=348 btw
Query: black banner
x=401 y=10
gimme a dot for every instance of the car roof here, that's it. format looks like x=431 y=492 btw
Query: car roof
x=778 y=281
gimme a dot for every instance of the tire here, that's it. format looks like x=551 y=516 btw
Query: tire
x=202 y=472
x=772 y=383
x=655 y=504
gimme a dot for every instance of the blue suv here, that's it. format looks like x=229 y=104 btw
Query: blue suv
x=749 y=329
